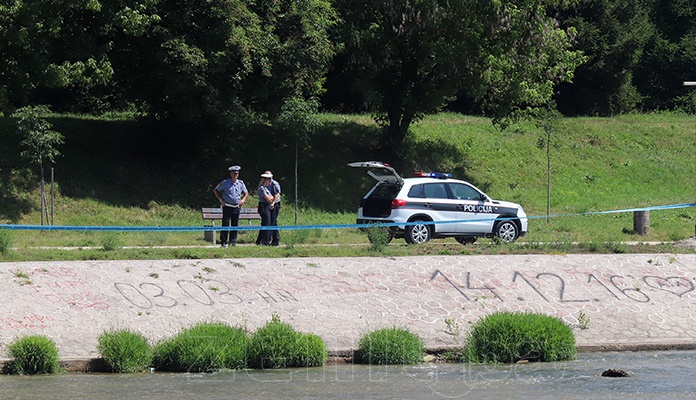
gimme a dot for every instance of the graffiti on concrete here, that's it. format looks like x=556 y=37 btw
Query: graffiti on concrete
x=64 y=286
x=552 y=287
x=32 y=321
x=149 y=295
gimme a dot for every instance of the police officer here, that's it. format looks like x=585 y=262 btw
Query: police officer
x=231 y=193
x=266 y=200
x=275 y=209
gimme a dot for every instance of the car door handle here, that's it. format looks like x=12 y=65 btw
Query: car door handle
x=428 y=204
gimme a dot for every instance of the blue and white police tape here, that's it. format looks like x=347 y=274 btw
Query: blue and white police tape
x=302 y=227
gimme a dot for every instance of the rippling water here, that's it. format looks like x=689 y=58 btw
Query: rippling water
x=655 y=375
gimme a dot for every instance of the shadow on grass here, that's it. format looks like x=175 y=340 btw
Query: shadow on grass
x=132 y=163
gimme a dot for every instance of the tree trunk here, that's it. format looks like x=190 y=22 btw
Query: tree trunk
x=396 y=136
x=43 y=195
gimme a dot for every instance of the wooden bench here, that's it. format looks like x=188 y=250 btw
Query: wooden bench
x=215 y=214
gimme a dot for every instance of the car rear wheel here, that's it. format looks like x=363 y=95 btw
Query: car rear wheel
x=417 y=233
x=507 y=231
x=466 y=239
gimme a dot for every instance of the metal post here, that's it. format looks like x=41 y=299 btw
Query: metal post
x=641 y=222
x=693 y=100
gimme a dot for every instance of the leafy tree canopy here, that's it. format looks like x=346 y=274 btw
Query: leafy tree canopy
x=412 y=57
x=60 y=47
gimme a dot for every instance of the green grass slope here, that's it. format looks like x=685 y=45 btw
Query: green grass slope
x=125 y=172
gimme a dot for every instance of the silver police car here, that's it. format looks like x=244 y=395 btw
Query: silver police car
x=433 y=205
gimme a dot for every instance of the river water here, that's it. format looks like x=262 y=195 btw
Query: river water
x=654 y=375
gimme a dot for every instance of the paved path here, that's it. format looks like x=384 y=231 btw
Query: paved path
x=612 y=301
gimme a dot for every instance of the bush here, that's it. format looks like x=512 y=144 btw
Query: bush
x=379 y=236
x=310 y=351
x=205 y=347
x=507 y=337
x=6 y=240
x=391 y=346
x=125 y=351
x=278 y=345
x=33 y=355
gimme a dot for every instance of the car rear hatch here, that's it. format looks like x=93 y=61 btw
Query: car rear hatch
x=377 y=202
x=379 y=171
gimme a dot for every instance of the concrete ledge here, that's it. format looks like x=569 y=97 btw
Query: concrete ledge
x=97 y=365
x=614 y=302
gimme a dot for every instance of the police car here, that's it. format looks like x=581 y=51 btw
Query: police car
x=433 y=205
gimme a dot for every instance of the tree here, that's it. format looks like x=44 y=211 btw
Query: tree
x=300 y=116
x=39 y=142
x=669 y=56
x=550 y=121
x=58 y=51
x=613 y=34
x=225 y=59
x=411 y=57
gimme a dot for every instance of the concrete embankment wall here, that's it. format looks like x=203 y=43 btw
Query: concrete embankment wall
x=612 y=301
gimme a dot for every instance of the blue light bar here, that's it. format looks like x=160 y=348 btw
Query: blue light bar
x=440 y=175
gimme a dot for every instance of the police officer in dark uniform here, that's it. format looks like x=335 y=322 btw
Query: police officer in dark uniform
x=231 y=193
x=266 y=200
x=275 y=191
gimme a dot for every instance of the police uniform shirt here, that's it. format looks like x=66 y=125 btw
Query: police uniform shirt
x=263 y=191
x=275 y=189
x=231 y=192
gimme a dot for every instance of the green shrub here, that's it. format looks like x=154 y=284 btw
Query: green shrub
x=310 y=351
x=379 y=236
x=6 y=239
x=391 y=346
x=278 y=345
x=112 y=241
x=507 y=337
x=33 y=355
x=205 y=347
x=125 y=351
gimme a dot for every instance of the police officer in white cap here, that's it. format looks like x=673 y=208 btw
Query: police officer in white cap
x=266 y=201
x=231 y=193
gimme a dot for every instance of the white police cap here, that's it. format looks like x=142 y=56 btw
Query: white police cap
x=234 y=168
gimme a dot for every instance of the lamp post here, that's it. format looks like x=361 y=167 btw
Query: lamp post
x=693 y=100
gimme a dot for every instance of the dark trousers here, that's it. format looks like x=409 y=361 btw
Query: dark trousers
x=265 y=212
x=230 y=216
x=275 y=234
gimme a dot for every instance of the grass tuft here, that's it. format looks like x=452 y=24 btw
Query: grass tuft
x=391 y=346
x=6 y=240
x=379 y=237
x=33 y=355
x=278 y=345
x=507 y=337
x=205 y=347
x=125 y=351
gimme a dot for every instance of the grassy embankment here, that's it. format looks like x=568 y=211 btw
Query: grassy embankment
x=118 y=172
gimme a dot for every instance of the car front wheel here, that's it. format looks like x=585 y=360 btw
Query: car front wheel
x=507 y=231
x=417 y=233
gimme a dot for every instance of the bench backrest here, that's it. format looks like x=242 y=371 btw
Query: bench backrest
x=216 y=213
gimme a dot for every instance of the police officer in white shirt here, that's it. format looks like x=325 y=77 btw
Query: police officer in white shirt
x=231 y=193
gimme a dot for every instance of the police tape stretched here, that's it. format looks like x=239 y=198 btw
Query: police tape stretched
x=301 y=227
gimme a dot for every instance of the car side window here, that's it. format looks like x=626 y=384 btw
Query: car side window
x=435 y=191
x=416 y=191
x=464 y=192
